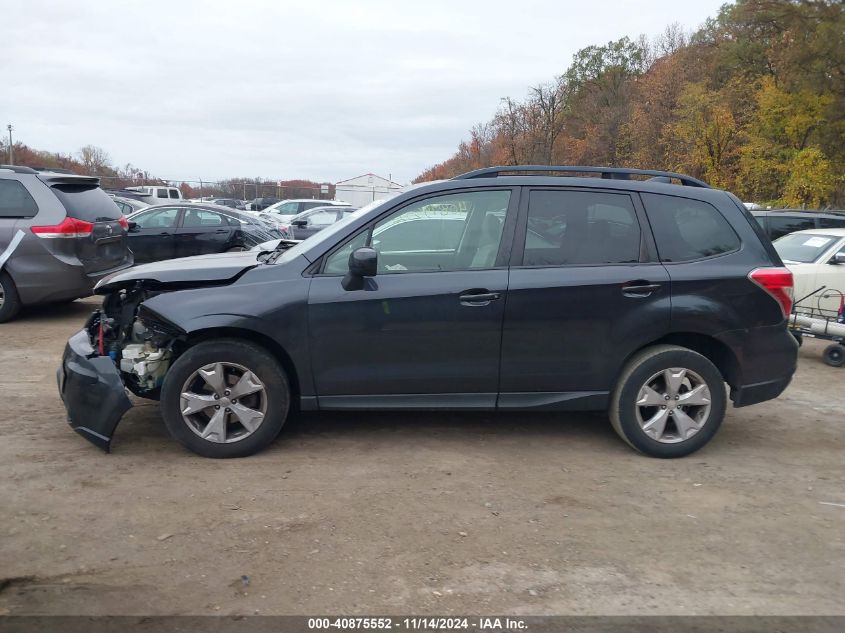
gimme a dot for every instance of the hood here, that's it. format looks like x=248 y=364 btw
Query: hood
x=186 y=272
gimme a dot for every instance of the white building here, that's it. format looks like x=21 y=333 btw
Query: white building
x=364 y=189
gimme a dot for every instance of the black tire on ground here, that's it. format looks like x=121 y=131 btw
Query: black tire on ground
x=834 y=355
x=11 y=301
x=646 y=363
x=253 y=357
x=799 y=338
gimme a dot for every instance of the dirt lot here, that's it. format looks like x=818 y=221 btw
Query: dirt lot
x=360 y=513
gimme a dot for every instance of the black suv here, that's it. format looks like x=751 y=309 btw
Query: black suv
x=779 y=222
x=511 y=288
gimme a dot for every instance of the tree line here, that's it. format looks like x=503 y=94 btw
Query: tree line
x=753 y=102
x=95 y=161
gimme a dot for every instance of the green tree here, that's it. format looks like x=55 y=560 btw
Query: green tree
x=811 y=179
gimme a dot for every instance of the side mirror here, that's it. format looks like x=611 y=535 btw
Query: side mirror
x=839 y=258
x=363 y=262
x=133 y=227
x=300 y=223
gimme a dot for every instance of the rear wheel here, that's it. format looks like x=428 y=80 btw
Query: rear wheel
x=225 y=398
x=10 y=302
x=669 y=401
x=834 y=355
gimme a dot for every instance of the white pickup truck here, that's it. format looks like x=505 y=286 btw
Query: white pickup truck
x=157 y=194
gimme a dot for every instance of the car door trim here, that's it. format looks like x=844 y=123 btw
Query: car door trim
x=409 y=402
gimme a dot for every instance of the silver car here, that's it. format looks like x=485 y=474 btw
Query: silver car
x=59 y=234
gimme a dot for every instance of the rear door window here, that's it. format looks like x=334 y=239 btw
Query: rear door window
x=322 y=218
x=86 y=202
x=15 y=201
x=203 y=218
x=161 y=193
x=580 y=228
x=686 y=230
x=780 y=225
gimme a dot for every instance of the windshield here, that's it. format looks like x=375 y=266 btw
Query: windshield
x=803 y=247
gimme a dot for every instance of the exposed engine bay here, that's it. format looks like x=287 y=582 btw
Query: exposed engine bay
x=139 y=343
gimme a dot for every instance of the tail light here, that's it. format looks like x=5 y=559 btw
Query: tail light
x=124 y=222
x=778 y=283
x=69 y=227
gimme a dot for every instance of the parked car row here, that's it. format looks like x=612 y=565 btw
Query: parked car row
x=170 y=231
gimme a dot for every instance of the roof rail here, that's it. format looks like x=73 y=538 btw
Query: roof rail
x=18 y=169
x=612 y=173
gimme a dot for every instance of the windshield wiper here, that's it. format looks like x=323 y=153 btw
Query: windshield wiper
x=281 y=247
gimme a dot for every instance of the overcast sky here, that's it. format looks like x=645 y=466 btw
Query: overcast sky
x=316 y=89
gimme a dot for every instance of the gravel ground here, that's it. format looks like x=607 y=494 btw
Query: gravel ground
x=397 y=513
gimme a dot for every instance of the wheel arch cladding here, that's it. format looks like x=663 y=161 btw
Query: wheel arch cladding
x=711 y=348
x=262 y=340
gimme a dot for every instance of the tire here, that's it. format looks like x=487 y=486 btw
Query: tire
x=701 y=422
x=834 y=355
x=10 y=301
x=235 y=358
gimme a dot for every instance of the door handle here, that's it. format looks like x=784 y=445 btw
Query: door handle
x=639 y=289
x=481 y=297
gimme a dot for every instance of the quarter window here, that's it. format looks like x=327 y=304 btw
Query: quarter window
x=174 y=193
x=15 y=201
x=686 y=229
x=580 y=228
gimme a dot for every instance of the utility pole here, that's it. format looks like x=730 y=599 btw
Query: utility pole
x=11 y=151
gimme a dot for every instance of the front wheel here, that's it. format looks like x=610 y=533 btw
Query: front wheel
x=669 y=401
x=225 y=398
x=834 y=355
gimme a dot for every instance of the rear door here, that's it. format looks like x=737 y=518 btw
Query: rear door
x=202 y=232
x=101 y=243
x=584 y=292
x=153 y=237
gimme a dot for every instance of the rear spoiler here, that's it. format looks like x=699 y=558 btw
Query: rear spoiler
x=53 y=179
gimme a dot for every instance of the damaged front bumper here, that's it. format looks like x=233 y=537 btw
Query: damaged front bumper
x=92 y=391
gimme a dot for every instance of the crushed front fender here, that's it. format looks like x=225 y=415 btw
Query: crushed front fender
x=92 y=391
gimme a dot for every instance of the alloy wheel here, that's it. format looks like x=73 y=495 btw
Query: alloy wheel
x=223 y=402
x=673 y=405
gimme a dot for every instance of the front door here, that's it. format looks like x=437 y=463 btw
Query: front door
x=424 y=332
x=582 y=296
